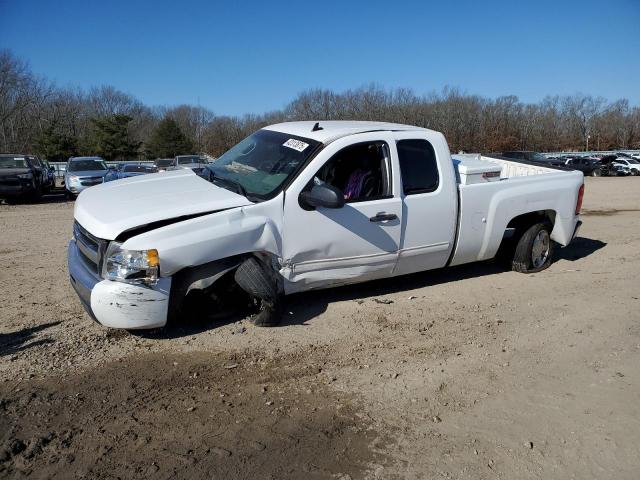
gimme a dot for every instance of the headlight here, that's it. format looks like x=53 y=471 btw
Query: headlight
x=73 y=179
x=26 y=176
x=131 y=266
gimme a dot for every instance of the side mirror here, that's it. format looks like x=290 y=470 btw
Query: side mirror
x=325 y=195
x=52 y=169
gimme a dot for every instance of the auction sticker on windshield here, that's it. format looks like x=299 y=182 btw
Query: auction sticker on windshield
x=295 y=144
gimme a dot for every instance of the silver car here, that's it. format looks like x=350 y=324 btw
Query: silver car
x=82 y=173
x=196 y=163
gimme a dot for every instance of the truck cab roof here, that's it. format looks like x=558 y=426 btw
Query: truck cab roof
x=328 y=131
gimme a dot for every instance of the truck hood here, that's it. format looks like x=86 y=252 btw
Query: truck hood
x=12 y=172
x=109 y=209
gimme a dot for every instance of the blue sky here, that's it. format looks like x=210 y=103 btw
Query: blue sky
x=238 y=57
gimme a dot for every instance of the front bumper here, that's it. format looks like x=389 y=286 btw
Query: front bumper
x=118 y=304
x=76 y=188
x=16 y=190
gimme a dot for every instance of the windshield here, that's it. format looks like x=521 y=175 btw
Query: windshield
x=140 y=168
x=262 y=162
x=538 y=157
x=83 y=165
x=633 y=161
x=165 y=162
x=186 y=159
x=9 y=161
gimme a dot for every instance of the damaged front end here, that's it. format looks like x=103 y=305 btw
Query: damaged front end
x=142 y=304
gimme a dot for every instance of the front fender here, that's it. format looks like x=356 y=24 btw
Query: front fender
x=194 y=242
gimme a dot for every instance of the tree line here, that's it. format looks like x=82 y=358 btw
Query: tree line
x=37 y=116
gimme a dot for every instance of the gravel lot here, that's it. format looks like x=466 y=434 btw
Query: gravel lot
x=470 y=372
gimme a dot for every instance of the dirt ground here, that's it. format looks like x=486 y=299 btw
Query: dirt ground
x=470 y=372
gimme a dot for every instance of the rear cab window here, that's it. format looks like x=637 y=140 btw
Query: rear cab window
x=418 y=166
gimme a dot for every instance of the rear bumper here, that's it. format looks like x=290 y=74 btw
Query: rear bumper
x=117 y=304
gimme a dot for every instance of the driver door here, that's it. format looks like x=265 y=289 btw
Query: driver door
x=359 y=241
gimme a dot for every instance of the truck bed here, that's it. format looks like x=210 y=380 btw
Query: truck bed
x=510 y=168
x=486 y=208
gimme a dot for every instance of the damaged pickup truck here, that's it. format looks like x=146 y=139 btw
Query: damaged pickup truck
x=306 y=205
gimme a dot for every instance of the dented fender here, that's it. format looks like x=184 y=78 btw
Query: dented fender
x=205 y=239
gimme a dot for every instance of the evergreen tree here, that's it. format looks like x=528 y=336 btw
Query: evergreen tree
x=168 y=140
x=55 y=146
x=111 y=138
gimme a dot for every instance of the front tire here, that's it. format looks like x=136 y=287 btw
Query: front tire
x=596 y=173
x=534 y=251
x=36 y=196
x=253 y=277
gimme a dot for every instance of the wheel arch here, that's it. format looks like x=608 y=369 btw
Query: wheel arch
x=525 y=220
x=207 y=274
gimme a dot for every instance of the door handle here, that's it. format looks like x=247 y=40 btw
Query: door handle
x=382 y=217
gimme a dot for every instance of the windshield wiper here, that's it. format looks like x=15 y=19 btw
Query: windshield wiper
x=235 y=185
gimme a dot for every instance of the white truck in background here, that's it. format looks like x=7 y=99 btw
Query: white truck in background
x=307 y=205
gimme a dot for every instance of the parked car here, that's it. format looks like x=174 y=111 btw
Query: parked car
x=196 y=163
x=589 y=166
x=305 y=205
x=623 y=155
x=126 y=170
x=631 y=163
x=164 y=164
x=611 y=168
x=23 y=177
x=82 y=173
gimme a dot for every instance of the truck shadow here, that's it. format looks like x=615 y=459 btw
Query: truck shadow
x=303 y=307
x=15 y=342
x=580 y=247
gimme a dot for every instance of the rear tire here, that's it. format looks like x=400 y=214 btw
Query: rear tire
x=596 y=173
x=534 y=251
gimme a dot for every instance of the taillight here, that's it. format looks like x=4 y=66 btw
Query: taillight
x=579 y=202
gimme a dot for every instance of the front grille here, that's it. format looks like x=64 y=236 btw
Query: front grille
x=91 y=248
x=10 y=182
x=90 y=181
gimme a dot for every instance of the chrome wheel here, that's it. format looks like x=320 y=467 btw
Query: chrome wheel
x=540 y=249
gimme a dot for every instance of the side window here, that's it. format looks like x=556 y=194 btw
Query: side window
x=418 y=166
x=360 y=171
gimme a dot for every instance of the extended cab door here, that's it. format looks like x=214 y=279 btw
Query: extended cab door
x=429 y=194
x=356 y=242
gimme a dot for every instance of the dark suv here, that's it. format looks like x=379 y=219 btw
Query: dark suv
x=589 y=166
x=23 y=176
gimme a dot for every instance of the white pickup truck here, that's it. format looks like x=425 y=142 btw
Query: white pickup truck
x=307 y=205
